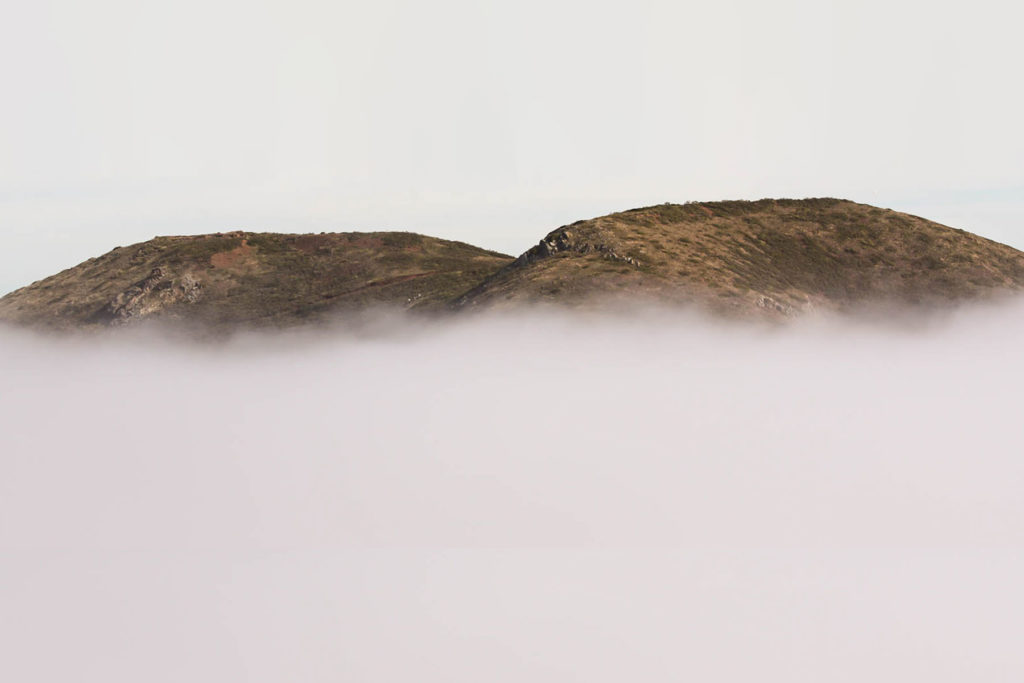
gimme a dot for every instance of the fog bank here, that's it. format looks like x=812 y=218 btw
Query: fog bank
x=512 y=499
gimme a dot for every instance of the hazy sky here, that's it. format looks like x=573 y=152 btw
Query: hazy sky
x=491 y=123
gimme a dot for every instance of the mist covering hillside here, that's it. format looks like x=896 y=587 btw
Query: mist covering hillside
x=516 y=498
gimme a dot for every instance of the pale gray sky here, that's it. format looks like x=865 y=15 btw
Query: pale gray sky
x=490 y=123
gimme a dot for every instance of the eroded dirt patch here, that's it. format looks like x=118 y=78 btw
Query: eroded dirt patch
x=239 y=256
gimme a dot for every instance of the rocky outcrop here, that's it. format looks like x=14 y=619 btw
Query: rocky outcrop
x=775 y=306
x=148 y=295
x=563 y=240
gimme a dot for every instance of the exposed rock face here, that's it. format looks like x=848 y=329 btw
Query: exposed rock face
x=770 y=304
x=189 y=289
x=148 y=296
x=562 y=240
x=127 y=304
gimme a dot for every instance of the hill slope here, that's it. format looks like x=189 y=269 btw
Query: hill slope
x=767 y=258
x=241 y=279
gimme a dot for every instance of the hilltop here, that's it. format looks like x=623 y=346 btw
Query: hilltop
x=240 y=279
x=764 y=258
x=768 y=258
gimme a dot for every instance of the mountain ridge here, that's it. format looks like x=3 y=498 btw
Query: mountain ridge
x=770 y=258
x=779 y=256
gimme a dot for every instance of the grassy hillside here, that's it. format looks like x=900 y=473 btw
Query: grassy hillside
x=769 y=257
x=253 y=279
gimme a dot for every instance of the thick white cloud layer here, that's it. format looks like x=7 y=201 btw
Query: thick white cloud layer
x=517 y=499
